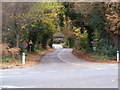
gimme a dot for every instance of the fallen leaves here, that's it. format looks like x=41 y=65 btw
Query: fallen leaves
x=89 y=57
x=31 y=60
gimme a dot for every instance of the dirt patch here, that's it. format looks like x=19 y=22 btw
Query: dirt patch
x=31 y=60
x=8 y=51
x=90 y=57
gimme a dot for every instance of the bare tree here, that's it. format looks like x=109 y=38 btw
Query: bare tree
x=14 y=20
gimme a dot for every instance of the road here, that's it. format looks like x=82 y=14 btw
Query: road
x=60 y=69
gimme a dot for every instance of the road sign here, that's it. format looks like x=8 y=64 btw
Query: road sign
x=30 y=42
x=94 y=43
x=25 y=45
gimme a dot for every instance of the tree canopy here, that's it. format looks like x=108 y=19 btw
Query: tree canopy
x=82 y=23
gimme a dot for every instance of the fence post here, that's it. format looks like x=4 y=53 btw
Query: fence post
x=23 y=58
x=117 y=55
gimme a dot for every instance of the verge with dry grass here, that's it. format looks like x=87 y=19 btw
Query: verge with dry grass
x=31 y=60
x=91 y=57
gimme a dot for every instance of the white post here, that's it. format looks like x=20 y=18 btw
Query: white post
x=117 y=55
x=23 y=58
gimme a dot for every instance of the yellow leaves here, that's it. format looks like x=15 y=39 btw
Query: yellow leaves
x=64 y=22
x=77 y=30
x=53 y=14
x=11 y=17
x=64 y=16
x=23 y=27
x=83 y=35
x=33 y=25
x=49 y=19
x=78 y=34
x=113 y=19
x=35 y=20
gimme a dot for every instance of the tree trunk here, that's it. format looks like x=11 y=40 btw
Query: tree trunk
x=17 y=41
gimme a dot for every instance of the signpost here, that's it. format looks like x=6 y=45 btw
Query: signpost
x=25 y=45
x=94 y=44
x=30 y=43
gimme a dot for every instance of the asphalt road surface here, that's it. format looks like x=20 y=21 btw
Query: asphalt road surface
x=61 y=69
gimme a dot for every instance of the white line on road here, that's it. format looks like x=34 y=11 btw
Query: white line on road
x=8 y=76
x=63 y=59
x=67 y=61
x=81 y=64
x=6 y=86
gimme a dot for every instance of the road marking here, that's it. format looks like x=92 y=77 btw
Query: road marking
x=63 y=59
x=76 y=64
x=6 y=86
x=99 y=68
x=9 y=76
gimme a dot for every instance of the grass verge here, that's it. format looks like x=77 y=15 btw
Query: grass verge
x=94 y=58
x=32 y=58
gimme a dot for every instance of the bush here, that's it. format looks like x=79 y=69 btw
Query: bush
x=6 y=59
x=7 y=51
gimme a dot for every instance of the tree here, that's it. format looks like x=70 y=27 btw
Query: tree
x=91 y=16
x=36 y=21
x=44 y=17
x=14 y=20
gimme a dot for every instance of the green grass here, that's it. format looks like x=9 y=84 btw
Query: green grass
x=6 y=59
x=36 y=50
x=104 y=57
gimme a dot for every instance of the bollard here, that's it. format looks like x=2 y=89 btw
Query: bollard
x=117 y=55
x=23 y=58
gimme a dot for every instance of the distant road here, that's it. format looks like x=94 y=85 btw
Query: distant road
x=60 y=69
x=57 y=46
